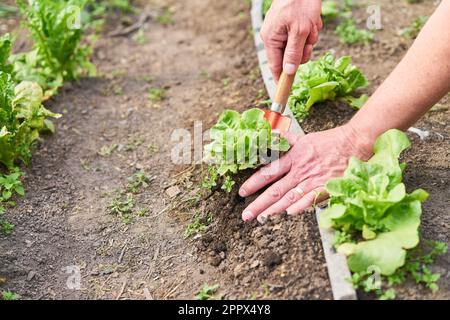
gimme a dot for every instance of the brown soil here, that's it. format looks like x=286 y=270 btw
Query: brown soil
x=206 y=62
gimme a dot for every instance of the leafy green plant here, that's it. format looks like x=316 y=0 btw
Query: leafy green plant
x=349 y=33
x=8 y=295
x=227 y=184
x=137 y=181
x=5 y=226
x=330 y=10
x=58 y=54
x=326 y=79
x=124 y=203
x=22 y=117
x=210 y=179
x=10 y=184
x=370 y=204
x=198 y=225
x=266 y=6
x=95 y=12
x=239 y=142
x=416 y=267
x=370 y=201
x=414 y=29
x=207 y=292
x=122 y=206
x=156 y=94
x=165 y=17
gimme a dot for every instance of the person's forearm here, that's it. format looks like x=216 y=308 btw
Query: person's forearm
x=420 y=80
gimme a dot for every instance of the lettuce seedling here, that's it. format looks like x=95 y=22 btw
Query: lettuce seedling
x=326 y=79
x=414 y=29
x=370 y=202
x=349 y=33
x=239 y=142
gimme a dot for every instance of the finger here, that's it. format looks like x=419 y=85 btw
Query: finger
x=293 y=53
x=310 y=199
x=269 y=197
x=275 y=59
x=285 y=202
x=313 y=37
x=319 y=24
x=307 y=53
x=265 y=176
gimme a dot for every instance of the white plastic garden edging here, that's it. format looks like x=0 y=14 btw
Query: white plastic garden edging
x=338 y=271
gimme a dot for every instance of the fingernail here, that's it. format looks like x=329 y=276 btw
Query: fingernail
x=293 y=213
x=262 y=219
x=289 y=68
x=247 y=216
x=242 y=192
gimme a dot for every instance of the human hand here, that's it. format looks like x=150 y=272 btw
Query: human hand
x=301 y=174
x=290 y=30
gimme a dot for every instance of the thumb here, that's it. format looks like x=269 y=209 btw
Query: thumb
x=293 y=53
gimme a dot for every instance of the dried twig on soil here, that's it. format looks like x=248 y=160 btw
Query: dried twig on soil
x=122 y=289
x=172 y=291
x=145 y=15
x=124 y=248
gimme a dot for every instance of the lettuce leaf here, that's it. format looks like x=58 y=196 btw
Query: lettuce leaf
x=326 y=79
x=58 y=54
x=22 y=117
x=370 y=201
x=242 y=141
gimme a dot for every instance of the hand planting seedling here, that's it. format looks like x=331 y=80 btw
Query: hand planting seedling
x=326 y=79
x=240 y=142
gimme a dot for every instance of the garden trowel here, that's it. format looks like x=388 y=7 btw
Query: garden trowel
x=275 y=114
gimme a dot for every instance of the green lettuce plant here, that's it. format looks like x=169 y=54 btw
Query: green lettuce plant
x=349 y=33
x=22 y=117
x=370 y=203
x=239 y=142
x=58 y=54
x=325 y=79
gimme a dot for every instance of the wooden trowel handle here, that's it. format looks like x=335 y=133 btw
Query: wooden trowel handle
x=284 y=88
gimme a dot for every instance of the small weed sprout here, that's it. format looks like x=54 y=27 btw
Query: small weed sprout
x=207 y=292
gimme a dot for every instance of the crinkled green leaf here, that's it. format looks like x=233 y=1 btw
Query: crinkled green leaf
x=239 y=139
x=370 y=201
x=387 y=250
x=325 y=79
